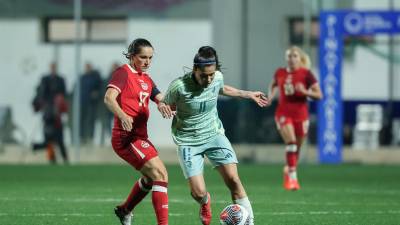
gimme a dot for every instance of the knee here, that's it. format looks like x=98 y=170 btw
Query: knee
x=159 y=174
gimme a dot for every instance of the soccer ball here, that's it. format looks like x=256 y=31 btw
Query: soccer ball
x=234 y=214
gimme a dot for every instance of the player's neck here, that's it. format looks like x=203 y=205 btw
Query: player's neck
x=195 y=79
x=292 y=69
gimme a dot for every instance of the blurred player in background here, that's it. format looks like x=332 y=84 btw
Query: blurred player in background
x=295 y=83
x=198 y=131
x=50 y=100
x=127 y=96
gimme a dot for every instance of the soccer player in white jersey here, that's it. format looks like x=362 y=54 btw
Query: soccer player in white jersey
x=198 y=131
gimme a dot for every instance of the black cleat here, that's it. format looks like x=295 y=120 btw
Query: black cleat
x=123 y=215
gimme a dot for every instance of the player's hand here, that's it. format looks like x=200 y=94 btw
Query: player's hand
x=165 y=110
x=301 y=89
x=260 y=98
x=127 y=122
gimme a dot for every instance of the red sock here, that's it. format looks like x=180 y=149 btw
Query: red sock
x=160 y=202
x=291 y=155
x=138 y=192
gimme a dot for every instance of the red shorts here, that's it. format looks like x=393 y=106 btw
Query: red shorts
x=300 y=126
x=134 y=150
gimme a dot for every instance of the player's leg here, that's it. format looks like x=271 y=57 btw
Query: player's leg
x=139 y=191
x=301 y=131
x=192 y=164
x=231 y=178
x=287 y=132
x=199 y=193
x=223 y=157
x=61 y=145
x=51 y=156
x=142 y=155
x=156 y=171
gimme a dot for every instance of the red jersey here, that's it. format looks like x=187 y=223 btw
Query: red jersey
x=291 y=102
x=134 y=89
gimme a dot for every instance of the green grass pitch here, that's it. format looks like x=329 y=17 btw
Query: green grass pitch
x=342 y=194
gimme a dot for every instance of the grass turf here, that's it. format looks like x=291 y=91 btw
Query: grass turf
x=344 y=194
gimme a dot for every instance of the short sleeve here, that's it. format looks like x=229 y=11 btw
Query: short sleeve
x=310 y=79
x=118 y=80
x=171 y=96
x=154 y=90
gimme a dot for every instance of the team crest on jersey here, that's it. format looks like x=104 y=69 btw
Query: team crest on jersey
x=145 y=144
x=144 y=85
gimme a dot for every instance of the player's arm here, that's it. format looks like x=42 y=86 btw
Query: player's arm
x=311 y=89
x=168 y=106
x=162 y=107
x=256 y=96
x=110 y=100
x=273 y=87
x=313 y=92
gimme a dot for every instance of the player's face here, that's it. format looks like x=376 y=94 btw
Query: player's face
x=205 y=76
x=143 y=59
x=293 y=59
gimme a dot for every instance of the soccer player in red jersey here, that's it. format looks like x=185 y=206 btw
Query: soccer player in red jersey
x=296 y=83
x=127 y=96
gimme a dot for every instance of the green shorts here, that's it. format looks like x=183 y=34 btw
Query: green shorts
x=219 y=151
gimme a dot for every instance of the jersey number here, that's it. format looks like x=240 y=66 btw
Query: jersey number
x=288 y=88
x=142 y=97
x=202 y=107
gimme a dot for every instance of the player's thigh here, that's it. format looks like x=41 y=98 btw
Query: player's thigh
x=136 y=153
x=219 y=151
x=191 y=160
x=301 y=128
x=286 y=128
x=228 y=171
x=231 y=178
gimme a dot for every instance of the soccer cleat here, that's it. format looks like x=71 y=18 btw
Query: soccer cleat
x=295 y=185
x=124 y=216
x=288 y=183
x=205 y=211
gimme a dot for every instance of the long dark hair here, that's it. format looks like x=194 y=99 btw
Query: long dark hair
x=206 y=56
x=136 y=46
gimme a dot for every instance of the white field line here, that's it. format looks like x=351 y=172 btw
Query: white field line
x=356 y=191
x=190 y=201
x=310 y=213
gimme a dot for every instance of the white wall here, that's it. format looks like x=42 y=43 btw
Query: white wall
x=268 y=39
x=24 y=59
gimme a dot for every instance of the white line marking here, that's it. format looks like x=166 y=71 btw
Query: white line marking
x=379 y=212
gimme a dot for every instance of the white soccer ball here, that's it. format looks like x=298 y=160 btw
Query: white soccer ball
x=234 y=214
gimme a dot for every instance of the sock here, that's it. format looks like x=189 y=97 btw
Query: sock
x=291 y=155
x=160 y=201
x=204 y=199
x=51 y=156
x=138 y=192
x=246 y=204
x=292 y=174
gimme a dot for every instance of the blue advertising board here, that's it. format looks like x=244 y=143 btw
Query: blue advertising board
x=334 y=25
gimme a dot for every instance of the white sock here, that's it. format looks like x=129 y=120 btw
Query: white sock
x=246 y=204
x=293 y=174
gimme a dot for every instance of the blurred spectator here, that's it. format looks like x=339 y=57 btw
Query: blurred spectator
x=91 y=87
x=106 y=116
x=50 y=100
